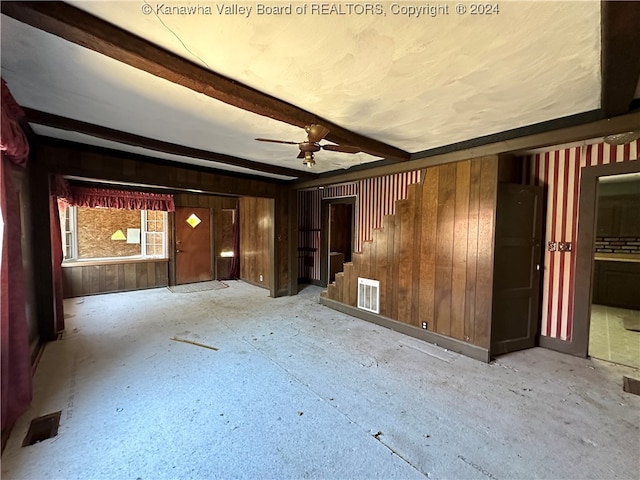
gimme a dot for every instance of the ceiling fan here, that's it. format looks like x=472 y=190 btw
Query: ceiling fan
x=315 y=133
x=622 y=138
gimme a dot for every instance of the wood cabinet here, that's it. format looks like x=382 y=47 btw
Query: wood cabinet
x=616 y=284
x=618 y=216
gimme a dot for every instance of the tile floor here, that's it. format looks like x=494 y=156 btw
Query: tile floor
x=609 y=340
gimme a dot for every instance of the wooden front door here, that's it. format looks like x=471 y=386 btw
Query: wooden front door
x=517 y=268
x=193 y=245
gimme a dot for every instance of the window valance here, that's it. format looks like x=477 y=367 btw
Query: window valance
x=78 y=196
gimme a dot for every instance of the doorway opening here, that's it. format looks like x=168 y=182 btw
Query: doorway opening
x=337 y=236
x=605 y=277
x=614 y=330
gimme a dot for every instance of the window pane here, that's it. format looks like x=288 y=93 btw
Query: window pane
x=225 y=241
x=155 y=233
x=66 y=230
x=68 y=246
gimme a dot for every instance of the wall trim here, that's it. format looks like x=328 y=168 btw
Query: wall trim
x=257 y=284
x=559 y=345
x=458 y=346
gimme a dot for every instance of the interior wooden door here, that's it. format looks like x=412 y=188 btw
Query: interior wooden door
x=193 y=245
x=517 y=268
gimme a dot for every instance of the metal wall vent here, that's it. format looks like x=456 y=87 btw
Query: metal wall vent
x=369 y=295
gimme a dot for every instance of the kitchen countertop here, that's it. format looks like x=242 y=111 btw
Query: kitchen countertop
x=617 y=257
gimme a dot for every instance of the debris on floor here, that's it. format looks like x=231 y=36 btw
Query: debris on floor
x=197 y=344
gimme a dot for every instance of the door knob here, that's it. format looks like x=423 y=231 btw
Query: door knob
x=178 y=250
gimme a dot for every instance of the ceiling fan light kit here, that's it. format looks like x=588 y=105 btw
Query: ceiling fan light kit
x=315 y=134
x=308 y=160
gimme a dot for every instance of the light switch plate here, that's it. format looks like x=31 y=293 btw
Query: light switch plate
x=564 y=246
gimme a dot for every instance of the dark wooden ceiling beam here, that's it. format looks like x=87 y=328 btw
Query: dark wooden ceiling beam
x=70 y=124
x=620 y=55
x=81 y=28
x=518 y=146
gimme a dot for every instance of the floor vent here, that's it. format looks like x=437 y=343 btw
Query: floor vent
x=369 y=295
x=42 y=428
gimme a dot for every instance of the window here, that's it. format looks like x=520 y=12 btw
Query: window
x=108 y=233
x=67 y=224
x=226 y=232
x=154 y=244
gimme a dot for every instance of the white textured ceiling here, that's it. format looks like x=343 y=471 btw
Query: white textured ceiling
x=414 y=83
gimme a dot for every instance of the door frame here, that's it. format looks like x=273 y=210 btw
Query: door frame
x=324 y=232
x=585 y=244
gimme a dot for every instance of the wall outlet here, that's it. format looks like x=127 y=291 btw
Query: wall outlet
x=424 y=325
x=261 y=278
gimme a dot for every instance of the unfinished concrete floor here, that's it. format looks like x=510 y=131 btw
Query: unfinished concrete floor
x=296 y=390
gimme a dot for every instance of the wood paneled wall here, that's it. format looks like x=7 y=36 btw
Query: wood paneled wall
x=215 y=202
x=29 y=240
x=256 y=240
x=80 y=280
x=434 y=256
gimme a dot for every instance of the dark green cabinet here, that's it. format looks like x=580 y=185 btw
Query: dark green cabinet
x=629 y=218
x=617 y=284
x=618 y=216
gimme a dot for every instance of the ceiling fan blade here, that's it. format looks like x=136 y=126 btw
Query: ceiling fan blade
x=316 y=132
x=342 y=148
x=276 y=141
x=301 y=154
x=622 y=138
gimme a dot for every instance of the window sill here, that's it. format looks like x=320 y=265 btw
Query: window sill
x=110 y=261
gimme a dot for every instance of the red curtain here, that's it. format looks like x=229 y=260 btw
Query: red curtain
x=13 y=143
x=102 y=197
x=234 y=269
x=58 y=188
x=56 y=261
x=14 y=335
